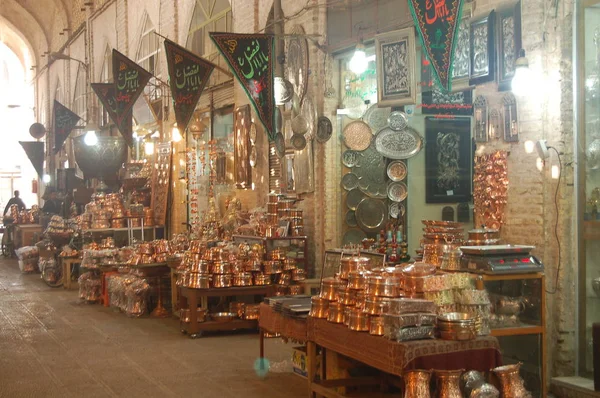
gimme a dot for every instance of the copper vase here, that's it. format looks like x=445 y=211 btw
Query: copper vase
x=511 y=384
x=448 y=383
x=416 y=384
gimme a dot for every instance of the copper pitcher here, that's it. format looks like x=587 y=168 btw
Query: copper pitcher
x=416 y=384
x=511 y=384
x=448 y=383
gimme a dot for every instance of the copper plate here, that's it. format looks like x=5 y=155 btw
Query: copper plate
x=353 y=199
x=357 y=135
x=397 y=191
x=298 y=142
x=398 y=144
x=350 y=181
x=324 y=129
x=299 y=125
x=349 y=158
x=396 y=170
x=353 y=236
x=377 y=117
x=397 y=210
x=351 y=218
x=398 y=121
x=371 y=214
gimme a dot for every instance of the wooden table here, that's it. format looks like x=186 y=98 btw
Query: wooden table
x=270 y=321
x=189 y=298
x=390 y=357
x=24 y=234
x=67 y=265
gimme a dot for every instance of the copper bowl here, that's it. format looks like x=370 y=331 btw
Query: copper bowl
x=242 y=279
x=376 y=325
x=298 y=275
x=359 y=321
x=319 y=307
x=252 y=311
x=222 y=280
x=236 y=307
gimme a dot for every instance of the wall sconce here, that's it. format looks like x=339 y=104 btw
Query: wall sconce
x=359 y=63
x=522 y=81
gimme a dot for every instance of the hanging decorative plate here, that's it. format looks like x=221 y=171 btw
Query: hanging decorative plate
x=356 y=107
x=397 y=191
x=296 y=61
x=357 y=135
x=253 y=157
x=371 y=172
x=278 y=119
x=397 y=210
x=309 y=111
x=284 y=91
x=371 y=214
x=397 y=121
x=349 y=181
x=353 y=237
x=353 y=199
x=298 y=142
x=280 y=145
x=350 y=158
x=378 y=191
x=324 y=129
x=299 y=125
x=377 y=117
x=351 y=218
x=396 y=170
x=398 y=144
x=252 y=133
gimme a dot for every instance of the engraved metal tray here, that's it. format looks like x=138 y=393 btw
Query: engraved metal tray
x=398 y=144
x=371 y=214
x=371 y=172
x=377 y=117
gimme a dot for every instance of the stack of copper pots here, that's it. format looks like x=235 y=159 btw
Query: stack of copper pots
x=414 y=276
x=161 y=250
x=483 y=237
x=439 y=238
x=281 y=209
x=148 y=216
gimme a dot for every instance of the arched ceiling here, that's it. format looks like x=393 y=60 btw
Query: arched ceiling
x=44 y=24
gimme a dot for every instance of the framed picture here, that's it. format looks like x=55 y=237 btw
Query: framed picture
x=461 y=65
x=448 y=160
x=483 y=57
x=331 y=262
x=436 y=101
x=376 y=260
x=396 y=84
x=511 y=121
x=481 y=119
x=509 y=44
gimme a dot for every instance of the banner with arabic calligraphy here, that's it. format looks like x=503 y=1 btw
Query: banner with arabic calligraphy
x=64 y=121
x=188 y=76
x=130 y=80
x=106 y=94
x=250 y=56
x=437 y=24
x=35 y=153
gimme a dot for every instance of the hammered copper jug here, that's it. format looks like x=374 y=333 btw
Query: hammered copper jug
x=416 y=384
x=511 y=384
x=448 y=383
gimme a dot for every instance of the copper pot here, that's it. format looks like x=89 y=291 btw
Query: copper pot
x=357 y=280
x=295 y=213
x=222 y=280
x=346 y=297
x=242 y=279
x=347 y=315
x=349 y=264
x=200 y=266
x=511 y=384
x=296 y=290
x=289 y=264
x=252 y=311
x=277 y=254
x=319 y=307
x=361 y=296
x=272 y=208
x=376 y=305
x=273 y=198
x=284 y=279
x=184 y=315
x=483 y=234
x=328 y=289
x=253 y=266
x=297 y=231
x=296 y=222
x=221 y=267
x=197 y=281
x=272 y=218
x=272 y=267
x=336 y=312
x=416 y=384
x=195 y=246
x=376 y=325
x=298 y=275
x=383 y=286
x=448 y=383
x=262 y=279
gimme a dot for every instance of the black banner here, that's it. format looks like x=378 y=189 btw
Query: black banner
x=188 y=76
x=64 y=121
x=437 y=22
x=250 y=56
x=130 y=80
x=106 y=94
x=35 y=153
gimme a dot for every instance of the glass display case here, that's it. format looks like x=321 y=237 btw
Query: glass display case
x=589 y=179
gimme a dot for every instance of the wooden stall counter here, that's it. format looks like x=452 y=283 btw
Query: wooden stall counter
x=24 y=234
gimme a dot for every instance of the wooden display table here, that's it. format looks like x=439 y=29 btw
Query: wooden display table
x=270 y=321
x=390 y=357
x=189 y=298
x=67 y=266
x=24 y=234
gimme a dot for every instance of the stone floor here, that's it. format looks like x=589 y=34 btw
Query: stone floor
x=52 y=345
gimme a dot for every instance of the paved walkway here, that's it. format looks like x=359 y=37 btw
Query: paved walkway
x=52 y=345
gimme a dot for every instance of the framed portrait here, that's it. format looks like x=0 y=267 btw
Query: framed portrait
x=483 y=56
x=509 y=44
x=461 y=64
x=396 y=83
x=448 y=160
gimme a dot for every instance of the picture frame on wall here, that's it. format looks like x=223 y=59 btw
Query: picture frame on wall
x=448 y=160
x=483 y=56
x=461 y=64
x=509 y=44
x=396 y=66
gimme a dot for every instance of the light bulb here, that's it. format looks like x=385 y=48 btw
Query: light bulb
x=176 y=134
x=358 y=63
x=149 y=148
x=523 y=80
x=529 y=146
x=46 y=178
x=90 y=138
x=555 y=172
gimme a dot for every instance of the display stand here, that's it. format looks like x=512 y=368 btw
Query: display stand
x=189 y=298
x=67 y=266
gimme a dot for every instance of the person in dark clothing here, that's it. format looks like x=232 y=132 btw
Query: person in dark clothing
x=52 y=204
x=15 y=201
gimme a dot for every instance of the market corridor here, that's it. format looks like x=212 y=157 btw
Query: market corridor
x=52 y=345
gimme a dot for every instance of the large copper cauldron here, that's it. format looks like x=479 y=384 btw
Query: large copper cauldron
x=102 y=160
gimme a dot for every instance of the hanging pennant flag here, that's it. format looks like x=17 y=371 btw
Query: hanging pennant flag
x=188 y=74
x=106 y=94
x=250 y=56
x=64 y=121
x=437 y=22
x=35 y=153
x=130 y=81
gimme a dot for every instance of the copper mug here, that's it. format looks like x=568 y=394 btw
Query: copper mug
x=511 y=384
x=416 y=384
x=448 y=383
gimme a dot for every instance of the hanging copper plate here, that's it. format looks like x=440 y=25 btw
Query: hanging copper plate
x=397 y=210
x=357 y=135
x=353 y=199
x=397 y=191
x=396 y=170
x=280 y=145
x=398 y=121
x=351 y=218
x=371 y=214
x=298 y=142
